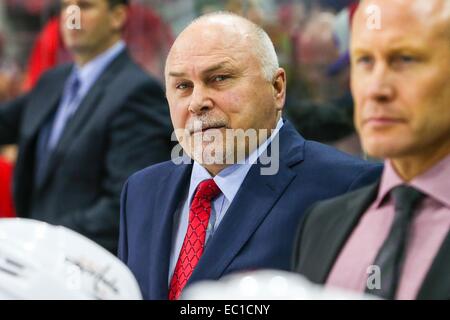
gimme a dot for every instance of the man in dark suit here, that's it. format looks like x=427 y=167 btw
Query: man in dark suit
x=235 y=208
x=392 y=238
x=86 y=127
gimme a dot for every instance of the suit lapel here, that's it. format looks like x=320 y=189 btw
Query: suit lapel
x=52 y=97
x=169 y=196
x=437 y=282
x=87 y=107
x=244 y=215
x=338 y=230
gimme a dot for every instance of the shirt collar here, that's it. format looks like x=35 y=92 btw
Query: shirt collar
x=389 y=180
x=435 y=182
x=229 y=180
x=90 y=72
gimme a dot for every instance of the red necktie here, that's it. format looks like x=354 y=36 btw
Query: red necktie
x=194 y=241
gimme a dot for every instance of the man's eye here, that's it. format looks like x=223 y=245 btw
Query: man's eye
x=182 y=86
x=405 y=59
x=219 y=78
x=364 y=60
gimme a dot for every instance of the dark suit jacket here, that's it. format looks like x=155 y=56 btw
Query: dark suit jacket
x=259 y=227
x=121 y=126
x=327 y=226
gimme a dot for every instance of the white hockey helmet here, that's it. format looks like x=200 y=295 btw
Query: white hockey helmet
x=41 y=261
x=266 y=285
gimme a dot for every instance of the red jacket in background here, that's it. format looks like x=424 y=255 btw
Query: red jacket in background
x=6 y=201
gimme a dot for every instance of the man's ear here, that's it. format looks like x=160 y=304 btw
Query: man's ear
x=279 y=88
x=119 y=17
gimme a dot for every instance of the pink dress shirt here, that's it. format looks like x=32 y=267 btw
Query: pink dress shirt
x=430 y=226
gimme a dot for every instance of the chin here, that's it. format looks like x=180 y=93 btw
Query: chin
x=206 y=153
x=385 y=148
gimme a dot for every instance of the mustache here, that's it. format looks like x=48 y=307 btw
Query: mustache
x=204 y=123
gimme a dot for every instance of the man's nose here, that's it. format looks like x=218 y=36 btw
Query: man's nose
x=381 y=85
x=200 y=100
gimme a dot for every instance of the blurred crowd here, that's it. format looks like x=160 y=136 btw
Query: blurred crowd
x=311 y=39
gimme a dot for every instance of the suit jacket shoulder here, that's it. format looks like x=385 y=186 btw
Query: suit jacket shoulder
x=150 y=173
x=341 y=165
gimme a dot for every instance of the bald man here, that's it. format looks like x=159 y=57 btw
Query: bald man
x=392 y=238
x=235 y=203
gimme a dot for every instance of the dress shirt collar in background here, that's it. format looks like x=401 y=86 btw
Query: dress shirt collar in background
x=431 y=182
x=90 y=72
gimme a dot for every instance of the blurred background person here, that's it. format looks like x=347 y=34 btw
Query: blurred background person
x=320 y=104
x=147 y=36
x=316 y=52
x=85 y=127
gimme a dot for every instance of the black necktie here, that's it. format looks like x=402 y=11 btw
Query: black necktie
x=392 y=253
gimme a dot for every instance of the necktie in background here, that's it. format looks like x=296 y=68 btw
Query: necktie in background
x=391 y=256
x=194 y=241
x=65 y=111
x=53 y=128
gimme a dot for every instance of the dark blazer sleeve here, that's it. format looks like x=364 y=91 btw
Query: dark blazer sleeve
x=139 y=135
x=295 y=264
x=10 y=116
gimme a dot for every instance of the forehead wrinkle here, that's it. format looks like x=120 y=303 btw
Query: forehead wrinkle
x=210 y=42
x=181 y=60
x=201 y=63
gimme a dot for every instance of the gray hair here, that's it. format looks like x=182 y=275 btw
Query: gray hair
x=262 y=44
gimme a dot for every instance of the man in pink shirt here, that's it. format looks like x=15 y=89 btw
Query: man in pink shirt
x=392 y=239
